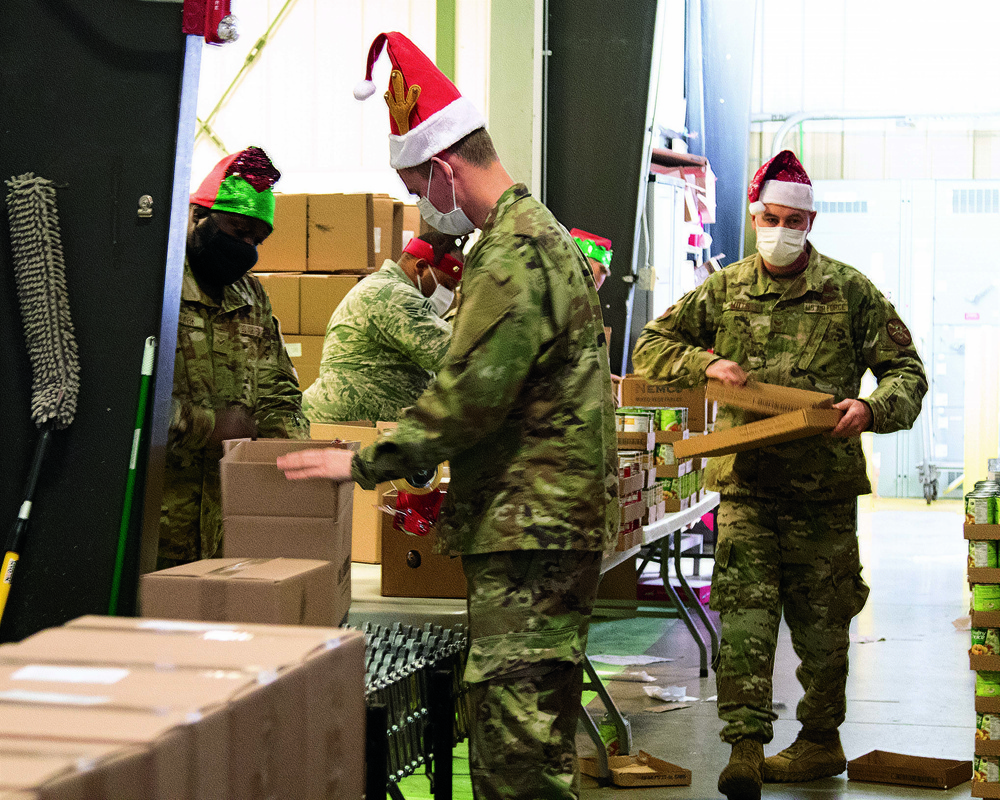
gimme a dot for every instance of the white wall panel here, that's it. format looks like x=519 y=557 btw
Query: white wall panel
x=296 y=100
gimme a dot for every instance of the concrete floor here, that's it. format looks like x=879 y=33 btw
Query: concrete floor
x=910 y=689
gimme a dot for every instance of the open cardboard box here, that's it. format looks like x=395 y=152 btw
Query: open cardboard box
x=640 y=769
x=879 y=766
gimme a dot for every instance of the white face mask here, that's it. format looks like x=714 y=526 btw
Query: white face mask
x=441 y=298
x=780 y=246
x=453 y=222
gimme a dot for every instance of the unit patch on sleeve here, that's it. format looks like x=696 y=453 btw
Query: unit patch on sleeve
x=898 y=332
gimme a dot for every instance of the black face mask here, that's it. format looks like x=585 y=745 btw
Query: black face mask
x=216 y=257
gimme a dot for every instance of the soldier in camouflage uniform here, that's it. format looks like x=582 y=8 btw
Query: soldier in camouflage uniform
x=787 y=537
x=522 y=409
x=232 y=376
x=387 y=337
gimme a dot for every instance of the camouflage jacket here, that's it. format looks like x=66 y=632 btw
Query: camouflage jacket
x=226 y=355
x=383 y=345
x=522 y=408
x=821 y=330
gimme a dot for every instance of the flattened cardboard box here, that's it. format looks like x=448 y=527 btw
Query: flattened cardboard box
x=280 y=591
x=311 y=688
x=766 y=398
x=772 y=430
x=879 y=766
x=641 y=769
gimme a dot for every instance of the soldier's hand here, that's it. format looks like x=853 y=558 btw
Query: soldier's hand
x=331 y=463
x=729 y=372
x=857 y=419
x=233 y=422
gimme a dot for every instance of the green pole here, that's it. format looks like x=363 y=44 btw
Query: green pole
x=446 y=37
x=148 y=357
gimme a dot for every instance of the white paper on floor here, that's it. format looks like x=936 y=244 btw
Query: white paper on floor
x=634 y=677
x=670 y=693
x=629 y=661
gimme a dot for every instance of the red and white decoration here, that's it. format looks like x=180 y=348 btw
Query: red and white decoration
x=782 y=181
x=427 y=112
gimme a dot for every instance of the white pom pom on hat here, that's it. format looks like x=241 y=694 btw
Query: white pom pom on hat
x=364 y=89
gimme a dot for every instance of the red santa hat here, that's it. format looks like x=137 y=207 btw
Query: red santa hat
x=427 y=113
x=782 y=181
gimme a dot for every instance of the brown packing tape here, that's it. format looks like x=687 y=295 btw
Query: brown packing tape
x=766 y=398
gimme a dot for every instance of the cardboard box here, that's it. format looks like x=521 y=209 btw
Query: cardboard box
x=772 y=430
x=384 y=229
x=167 y=743
x=279 y=591
x=253 y=486
x=633 y=440
x=319 y=296
x=306 y=353
x=411 y=568
x=283 y=290
x=640 y=769
x=879 y=766
x=766 y=398
x=341 y=233
x=397 y=230
x=631 y=484
x=310 y=695
x=981 y=532
x=320 y=538
x=636 y=391
x=41 y=769
x=285 y=249
x=366 y=542
x=411 y=222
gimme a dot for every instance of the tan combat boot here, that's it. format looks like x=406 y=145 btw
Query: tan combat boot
x=741 y=779
x=806 y=760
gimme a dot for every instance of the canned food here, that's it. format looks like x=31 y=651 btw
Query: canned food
x=635 y=420
x=664 y=454
x=986 y=769
x=985 y=642
x=982 y=554
x=986 y=597
x=988 y=727
x=671 y=419
x=987 y=684
x=981 y=504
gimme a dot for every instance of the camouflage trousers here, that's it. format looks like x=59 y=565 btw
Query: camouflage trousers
x=793 y=557
x=529 y=614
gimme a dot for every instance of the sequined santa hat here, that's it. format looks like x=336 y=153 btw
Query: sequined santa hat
x=427 y=112
x=593 y=246
x=241 y=184
x=782 y=181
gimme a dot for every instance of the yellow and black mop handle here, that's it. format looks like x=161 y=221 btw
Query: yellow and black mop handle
x=20 y=525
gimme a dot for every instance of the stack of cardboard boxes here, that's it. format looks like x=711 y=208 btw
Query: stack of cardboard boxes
x=676 y=416
x=114 y=707
x=322 y=245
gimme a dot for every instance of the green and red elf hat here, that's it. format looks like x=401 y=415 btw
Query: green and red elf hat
x=593 y=246
x=241 y=184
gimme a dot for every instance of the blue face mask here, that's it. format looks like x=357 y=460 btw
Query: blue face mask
x=454 y=222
